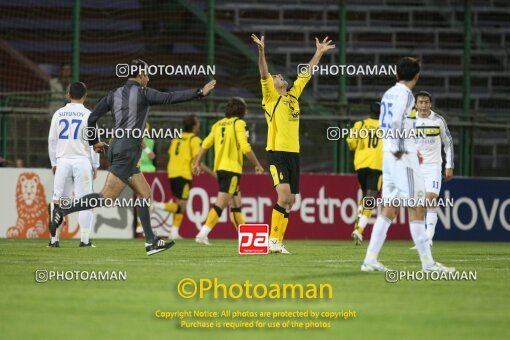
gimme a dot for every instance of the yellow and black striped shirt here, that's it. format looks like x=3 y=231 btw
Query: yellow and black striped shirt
x=182 y=152
x=282 y=114
x=230 y=139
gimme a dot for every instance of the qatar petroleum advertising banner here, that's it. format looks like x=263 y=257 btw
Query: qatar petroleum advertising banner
x=474 y=209
x=326 y=208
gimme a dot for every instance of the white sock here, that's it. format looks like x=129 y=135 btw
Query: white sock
x=431 y=220
x=363 y=221
x=57 y=236
x=204 y=231
x=85 y=220
x=422 y=242
x=174 y=230
x=379 y=231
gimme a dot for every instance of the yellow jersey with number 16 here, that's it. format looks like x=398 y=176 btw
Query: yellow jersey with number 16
x=366 y=145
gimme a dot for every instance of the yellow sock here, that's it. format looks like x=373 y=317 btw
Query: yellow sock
x=284 y=227
x=171 y=207
x=360 y=212
x=365 y=212
x=277 y=221
x=237 y=217
x=178 y=220
x=213 y=217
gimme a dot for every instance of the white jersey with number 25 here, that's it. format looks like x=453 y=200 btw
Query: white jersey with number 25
x=396 y=104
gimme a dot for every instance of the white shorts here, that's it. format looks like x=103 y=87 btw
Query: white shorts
x=432 y=176
x=73 y=178
x=402 y=178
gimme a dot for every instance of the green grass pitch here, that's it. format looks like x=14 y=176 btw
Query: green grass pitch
x=125 y=309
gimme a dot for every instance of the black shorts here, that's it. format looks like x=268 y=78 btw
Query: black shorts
x=228 y=181
x=179 y=186
x=124 y=155
x=369 y=179
x=284 y=168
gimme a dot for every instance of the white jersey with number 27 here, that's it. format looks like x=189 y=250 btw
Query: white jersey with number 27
x=65 y=139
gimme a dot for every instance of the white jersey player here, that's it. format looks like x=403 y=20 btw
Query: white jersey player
x=434 y=132
x=402 y=178
x=73 y=161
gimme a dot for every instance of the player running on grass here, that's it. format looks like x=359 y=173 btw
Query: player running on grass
x=130 y=106
x=74 y=163
x=230 y=139
x=182 y=152
x=402 y=176
x=368 y=165
x=436 y=131
x=281 y=108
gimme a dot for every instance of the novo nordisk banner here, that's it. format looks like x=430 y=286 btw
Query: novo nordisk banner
x=475 y=209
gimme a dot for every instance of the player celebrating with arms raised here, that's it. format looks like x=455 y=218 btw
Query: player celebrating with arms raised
x=230 y=139
x=435 y=131
x=402 y=177
x=282 y=112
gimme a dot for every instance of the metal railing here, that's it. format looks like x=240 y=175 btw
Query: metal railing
x=24 y=134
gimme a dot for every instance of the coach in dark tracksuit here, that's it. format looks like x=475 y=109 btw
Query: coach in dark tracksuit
x=129 y=105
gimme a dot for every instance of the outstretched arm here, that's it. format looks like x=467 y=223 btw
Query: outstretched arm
x=155 y=97
x=322 y=47
x=264 y=72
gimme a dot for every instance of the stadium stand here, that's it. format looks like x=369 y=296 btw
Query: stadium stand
x=34 y=42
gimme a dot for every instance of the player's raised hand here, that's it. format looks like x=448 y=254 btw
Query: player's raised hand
x=209 y=87
x=259 y=42
x=324 y=46
x=100 y=147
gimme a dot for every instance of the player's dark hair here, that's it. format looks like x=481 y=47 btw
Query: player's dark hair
x=77 y=90
x=236 y=107
x=407 y=68
x=423 y=94
x=139 y=63
x=375 y=110
x=188 y=123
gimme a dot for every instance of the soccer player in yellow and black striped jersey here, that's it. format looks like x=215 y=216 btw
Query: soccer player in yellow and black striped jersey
x=281 y=107
x=182 y=152
x=229 y=137
x=367 y=163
